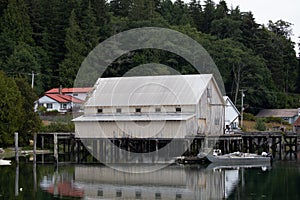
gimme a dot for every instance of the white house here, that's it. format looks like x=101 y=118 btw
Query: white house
x=231 y=115
x=173 y=106
x=63 y=99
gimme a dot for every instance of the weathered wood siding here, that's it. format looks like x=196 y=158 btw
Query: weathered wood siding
x=211 y=112
x=130 y=129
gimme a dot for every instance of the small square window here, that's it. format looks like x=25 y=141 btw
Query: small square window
x=49 y=105
x=118 y=193
x=157 y=195
x=100 y=193
x=138 y=110
x=178 y=196
x=138 y=194
x=178 y=109
x=157 y=109
x=75 y=95
x=100 y=110
x=118 y=110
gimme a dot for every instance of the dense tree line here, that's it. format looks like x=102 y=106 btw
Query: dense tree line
x=52 y=38
x=16 y=110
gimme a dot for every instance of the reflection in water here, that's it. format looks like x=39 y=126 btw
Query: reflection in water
x=173 y=182
x=61 y=185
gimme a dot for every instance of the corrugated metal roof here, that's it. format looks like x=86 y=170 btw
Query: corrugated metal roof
x=149 y=90
x=63 y=98
x=134 y=117
x=278 y=113
x=69 y=90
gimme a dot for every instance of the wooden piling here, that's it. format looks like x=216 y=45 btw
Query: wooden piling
x=17 y=147
x=34 y=148
x=55 y=149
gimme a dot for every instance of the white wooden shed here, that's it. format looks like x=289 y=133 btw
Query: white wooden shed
x=231 y=115
x=173 y=106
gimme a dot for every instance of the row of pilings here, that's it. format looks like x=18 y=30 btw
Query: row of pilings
x=67 y=148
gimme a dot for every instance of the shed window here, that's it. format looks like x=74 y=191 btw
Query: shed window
x=138 y=194
x=118 y=110
x=178 y=196
x=178 y=109
x=157 y=109
x=100 y=110
x=118 y=193
x=157 y=195
x=209 y=92
x=217 y=121
x=75 y=95
x=49 y=105
x=138 y=110
x=100 y=193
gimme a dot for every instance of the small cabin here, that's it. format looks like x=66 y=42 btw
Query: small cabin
x=287 y=115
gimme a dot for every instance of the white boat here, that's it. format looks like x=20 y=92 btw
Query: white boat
x=5 y=162
x=239 y=158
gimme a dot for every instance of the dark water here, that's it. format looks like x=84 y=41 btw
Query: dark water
x=26 y=181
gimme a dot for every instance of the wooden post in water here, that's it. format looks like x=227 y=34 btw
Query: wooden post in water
x=55 y=149
x=17 y=147
x=17 y=180
x=34 y=148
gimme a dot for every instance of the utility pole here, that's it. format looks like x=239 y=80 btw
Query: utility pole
x=242 y=106
x=32 y=78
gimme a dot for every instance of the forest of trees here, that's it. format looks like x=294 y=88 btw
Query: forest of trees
x=52 y=38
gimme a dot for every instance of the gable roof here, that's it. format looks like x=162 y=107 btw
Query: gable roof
x=150 y=90
x=228 y=100
x=63 y=98
x=278 y=113
x=297 y=122
x=69 y=90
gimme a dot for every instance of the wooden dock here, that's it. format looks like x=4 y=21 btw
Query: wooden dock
x=67 y=148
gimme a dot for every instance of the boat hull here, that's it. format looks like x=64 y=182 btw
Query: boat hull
x=238 y=160
x=5 y=162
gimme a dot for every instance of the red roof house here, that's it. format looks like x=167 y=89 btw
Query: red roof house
x=63 y=99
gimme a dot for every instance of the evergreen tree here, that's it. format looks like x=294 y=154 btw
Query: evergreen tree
x=195 y=9
x=23 y=61
x=89 y=29
x=53 y=36
x=3 y=4
x=208 y=16
x=33 y=122
x=221 y=10
x=249 y=30
x=120 y=7
x=75 y=53
x=103 y=18
x=11 y=113
x=15 y=28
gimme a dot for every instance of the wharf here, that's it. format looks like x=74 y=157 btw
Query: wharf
x=283 y=146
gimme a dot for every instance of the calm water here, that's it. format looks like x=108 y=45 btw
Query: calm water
x=281 y=181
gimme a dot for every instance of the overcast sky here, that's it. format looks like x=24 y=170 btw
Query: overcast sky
x=265 y=10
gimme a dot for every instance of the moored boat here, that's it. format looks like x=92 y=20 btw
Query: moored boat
x=239 y=158
x=5 y=162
